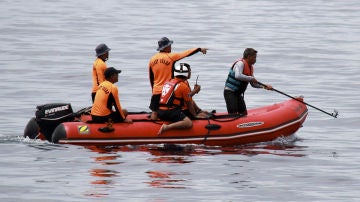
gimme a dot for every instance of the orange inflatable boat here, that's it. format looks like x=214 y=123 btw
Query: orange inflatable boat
x=57 y=123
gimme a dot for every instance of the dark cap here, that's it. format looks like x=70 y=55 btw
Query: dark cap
x=163 y=43
x=101 y=49
x=111 y=71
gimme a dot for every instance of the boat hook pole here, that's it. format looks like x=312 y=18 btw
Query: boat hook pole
x=334 y=114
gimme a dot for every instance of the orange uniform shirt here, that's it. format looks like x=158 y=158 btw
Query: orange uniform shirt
x=160 y=67
x=98 y=76
x=106 y=97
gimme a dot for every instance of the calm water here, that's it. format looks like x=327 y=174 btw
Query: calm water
x=308 y=48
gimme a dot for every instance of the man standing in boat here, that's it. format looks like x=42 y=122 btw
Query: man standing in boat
x=107 y=97
x=99 y=67
x=160 y=69
x=176 y=103
x=240 y=75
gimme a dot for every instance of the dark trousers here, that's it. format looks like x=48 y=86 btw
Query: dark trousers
x=235 y=103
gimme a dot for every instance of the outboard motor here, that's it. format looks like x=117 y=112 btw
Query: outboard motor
x=47 y=117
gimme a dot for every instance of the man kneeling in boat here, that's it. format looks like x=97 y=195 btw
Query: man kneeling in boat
x=176 y=103
x=107 y=97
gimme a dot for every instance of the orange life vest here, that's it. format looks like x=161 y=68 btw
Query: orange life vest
x=248 y=69
x=233 y=83
x=168 y=94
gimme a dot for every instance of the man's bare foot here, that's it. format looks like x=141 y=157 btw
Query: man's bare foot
x=162 y=129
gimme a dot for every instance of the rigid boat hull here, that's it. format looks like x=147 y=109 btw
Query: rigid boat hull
x=260 y=125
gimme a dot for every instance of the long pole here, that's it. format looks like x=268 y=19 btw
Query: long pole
x=335 y=114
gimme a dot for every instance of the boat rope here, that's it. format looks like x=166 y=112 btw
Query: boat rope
x=226 y=117
x=218 y=118
x=208 y=132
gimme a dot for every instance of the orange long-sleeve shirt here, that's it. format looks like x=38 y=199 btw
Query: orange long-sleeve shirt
x=160 y=67
x=106 y=97
x=98 y=76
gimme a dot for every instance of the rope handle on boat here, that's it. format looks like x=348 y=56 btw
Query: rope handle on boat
x=225 y=117
x=334 y=114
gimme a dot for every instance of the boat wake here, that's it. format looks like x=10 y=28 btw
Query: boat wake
x=285 y=140
x=36 y=143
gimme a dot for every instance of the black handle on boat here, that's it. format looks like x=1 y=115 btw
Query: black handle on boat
x=335 y=114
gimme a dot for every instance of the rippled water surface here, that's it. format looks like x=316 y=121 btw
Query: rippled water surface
x=308 y=48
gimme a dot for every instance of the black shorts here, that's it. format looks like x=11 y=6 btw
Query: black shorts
x=154 y=103
x=172 y=115
x=188 y=114
x=114 y=116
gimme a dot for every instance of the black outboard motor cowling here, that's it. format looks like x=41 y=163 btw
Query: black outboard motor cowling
x=49 y=116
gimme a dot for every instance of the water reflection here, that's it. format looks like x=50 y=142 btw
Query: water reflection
x=107 y=160
x=169 y=153
x=251 y=150
x=107 y=157
x=163 y=179
x=105 y=176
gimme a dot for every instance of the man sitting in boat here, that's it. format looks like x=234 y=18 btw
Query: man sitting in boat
x=106 y=98
x=176 y=103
